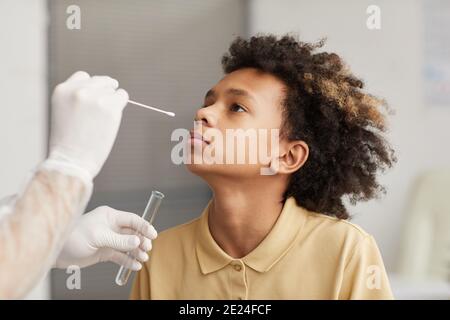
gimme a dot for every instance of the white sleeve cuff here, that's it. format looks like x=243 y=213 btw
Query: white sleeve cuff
x=58 y=163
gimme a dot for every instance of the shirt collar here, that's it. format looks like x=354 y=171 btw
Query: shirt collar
x=274 y=246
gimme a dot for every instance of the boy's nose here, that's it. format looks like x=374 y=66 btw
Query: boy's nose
x=207 y=116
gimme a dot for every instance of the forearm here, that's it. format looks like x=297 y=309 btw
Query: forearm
x=33 y=233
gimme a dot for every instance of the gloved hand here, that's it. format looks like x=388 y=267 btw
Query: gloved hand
x=106 y=234
x=86 y=115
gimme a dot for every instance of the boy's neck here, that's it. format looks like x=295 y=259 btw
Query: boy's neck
x=241 y=216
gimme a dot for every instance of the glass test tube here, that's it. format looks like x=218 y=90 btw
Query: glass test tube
x=149 y=214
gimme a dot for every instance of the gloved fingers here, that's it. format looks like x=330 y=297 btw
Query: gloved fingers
x=122 y=97
x=89 y=91
x=77 y=76
x=120 y=242
x=129 y=220
x=94 y=87
x=146 y=243
x=139 y=255
x=118 y=98
x=86 y=89
x=72 y=82
x=104 y=81
x=122 y=259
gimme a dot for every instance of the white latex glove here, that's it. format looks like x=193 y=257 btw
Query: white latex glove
x=106 y=234
x=86 y=115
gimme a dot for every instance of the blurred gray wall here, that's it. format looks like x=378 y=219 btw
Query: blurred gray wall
x=166 y=54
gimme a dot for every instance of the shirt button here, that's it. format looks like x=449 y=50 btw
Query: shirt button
x=237 y=267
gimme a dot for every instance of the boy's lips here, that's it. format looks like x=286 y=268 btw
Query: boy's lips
x=198 y=136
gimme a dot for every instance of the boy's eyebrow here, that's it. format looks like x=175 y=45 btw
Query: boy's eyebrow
x=231 y=91
x=239 y=92
x=210 y=94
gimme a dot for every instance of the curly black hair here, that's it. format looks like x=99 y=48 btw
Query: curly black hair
x=325 y=106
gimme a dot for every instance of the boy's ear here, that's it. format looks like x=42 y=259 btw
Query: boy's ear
x=293 y=155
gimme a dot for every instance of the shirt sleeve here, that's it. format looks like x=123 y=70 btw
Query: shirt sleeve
x=141 y=285
x=364 y=276
x=34 y=227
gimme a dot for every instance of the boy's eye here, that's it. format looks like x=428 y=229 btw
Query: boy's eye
x=237 y=108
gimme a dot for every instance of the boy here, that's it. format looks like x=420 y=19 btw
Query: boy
x=282 y=235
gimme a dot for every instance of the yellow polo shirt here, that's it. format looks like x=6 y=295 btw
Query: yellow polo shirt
x=306 y=255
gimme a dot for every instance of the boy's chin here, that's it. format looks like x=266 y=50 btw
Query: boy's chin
x=224 y=170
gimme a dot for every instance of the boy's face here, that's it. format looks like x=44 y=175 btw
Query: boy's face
x=245 y=99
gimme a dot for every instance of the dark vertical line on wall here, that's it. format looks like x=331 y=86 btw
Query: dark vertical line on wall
x=246 y=15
